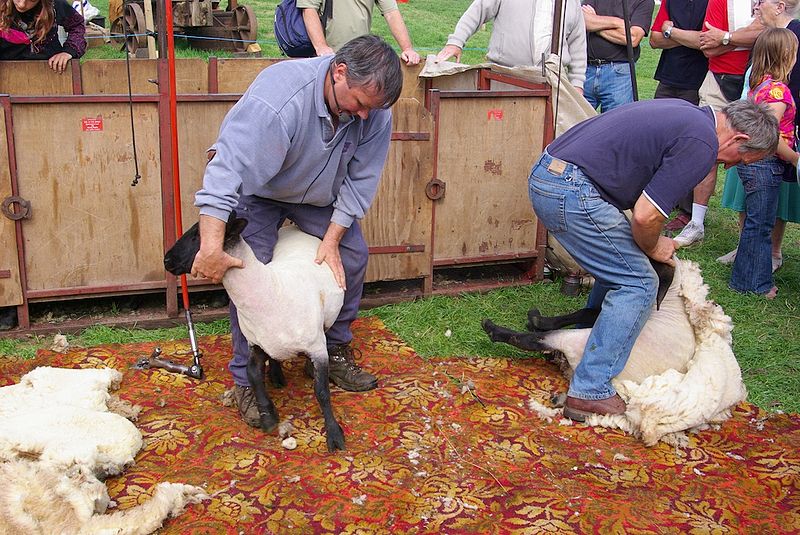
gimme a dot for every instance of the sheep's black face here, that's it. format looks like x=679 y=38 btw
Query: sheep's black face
x=180 y=257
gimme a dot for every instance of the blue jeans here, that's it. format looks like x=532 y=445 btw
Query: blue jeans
x=752 y=270
x=599 y=238
x=264 y=218
x=608 y=86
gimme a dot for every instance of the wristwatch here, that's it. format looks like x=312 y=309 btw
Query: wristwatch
x=668 y=32
x=726 y=38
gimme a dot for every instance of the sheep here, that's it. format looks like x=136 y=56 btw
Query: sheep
x=57 y=441
x=284 y=309
x=682 y=373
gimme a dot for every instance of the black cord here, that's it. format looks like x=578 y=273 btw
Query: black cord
x=136 y=176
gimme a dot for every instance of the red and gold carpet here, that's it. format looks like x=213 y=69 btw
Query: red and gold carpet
x=423 y=457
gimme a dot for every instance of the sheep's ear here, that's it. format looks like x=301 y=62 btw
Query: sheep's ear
x=665 y=274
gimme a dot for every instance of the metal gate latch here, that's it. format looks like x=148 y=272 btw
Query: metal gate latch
x=24 y=208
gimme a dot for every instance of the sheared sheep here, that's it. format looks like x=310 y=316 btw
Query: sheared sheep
x=682 y=373
x=284 y=309
x=56 y=439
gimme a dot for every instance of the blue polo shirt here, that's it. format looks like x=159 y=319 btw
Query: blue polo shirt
x=662 y=148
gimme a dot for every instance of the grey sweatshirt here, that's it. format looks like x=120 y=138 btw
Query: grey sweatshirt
x=522 y=32
x=278 y=142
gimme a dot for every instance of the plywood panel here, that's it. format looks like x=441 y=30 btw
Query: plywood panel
x=89 y=226
x=235 y=75
x=401 y=213
x=33 y=78
x=110 y=77
x=409 y=115
x=487 y=146
x=413 y=85
x=10 y=289
x=467 y=81
x=198 y=127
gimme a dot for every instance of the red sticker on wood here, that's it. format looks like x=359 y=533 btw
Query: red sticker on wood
x=92 y=124
x=495 y=113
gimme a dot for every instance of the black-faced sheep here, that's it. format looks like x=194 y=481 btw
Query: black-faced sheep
x=284 y=309
x=57 y=441
x=681 y=374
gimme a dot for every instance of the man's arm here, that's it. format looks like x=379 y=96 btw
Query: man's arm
x=398 y=28
x=211 y=261
x=678 y=37
x=610 y=28
x=328 y=252
x=711 y=39
x=576 y=45
x=647 y=225
x=315 y=32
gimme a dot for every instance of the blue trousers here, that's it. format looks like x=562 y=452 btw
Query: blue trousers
x=608 y=86
x=752 y=269
x=599 y=238
x=264 y=218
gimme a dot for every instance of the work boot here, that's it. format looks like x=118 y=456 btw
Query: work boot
x=691 y=233
x=245 y=400
x=343 y=370
x=579 y=409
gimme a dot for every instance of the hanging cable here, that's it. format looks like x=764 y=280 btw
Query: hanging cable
x=136 y=176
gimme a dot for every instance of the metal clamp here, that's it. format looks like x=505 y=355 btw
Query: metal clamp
x=24 y=208
x=435 y=189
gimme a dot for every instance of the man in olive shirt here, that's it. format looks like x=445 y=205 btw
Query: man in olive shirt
x=350 y=19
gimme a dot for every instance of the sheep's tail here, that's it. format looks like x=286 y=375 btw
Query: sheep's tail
x=169 y=500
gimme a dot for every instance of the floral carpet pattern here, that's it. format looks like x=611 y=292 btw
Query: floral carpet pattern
x=427 y=454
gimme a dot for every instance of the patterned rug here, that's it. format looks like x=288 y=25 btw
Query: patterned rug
x=427 y=455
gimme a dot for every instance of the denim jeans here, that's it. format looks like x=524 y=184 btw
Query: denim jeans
x=608 y=86
x=752 y=269
x=264 y=218
x=599 y=238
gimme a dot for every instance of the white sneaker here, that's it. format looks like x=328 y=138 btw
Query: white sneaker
x=691 y=233
x=729 y=258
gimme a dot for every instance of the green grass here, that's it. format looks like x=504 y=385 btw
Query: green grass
x=766 y=334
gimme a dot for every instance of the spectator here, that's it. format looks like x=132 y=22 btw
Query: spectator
x=29 y=30
x=772 y=15
x=350 y=19
x=774 y=55
x=522 y=34
x=306 y=142
x=681 y=67
x=608 y=74
x=725 y=41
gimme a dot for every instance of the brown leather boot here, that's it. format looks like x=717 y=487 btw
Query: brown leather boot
x=246 y=403
x=579 y=409
x=343 y=370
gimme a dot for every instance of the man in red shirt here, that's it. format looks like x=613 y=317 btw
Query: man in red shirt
x=725 y=41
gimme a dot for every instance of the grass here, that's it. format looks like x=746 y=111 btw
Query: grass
x=766 y=336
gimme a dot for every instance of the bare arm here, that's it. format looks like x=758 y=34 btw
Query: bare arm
x=398 y=28
x=743 y=37
x=211 y=261
x=646 y=225
x=784 y=152
x=328 y=252
x=315 y=32
x=617 y=36
x=678 y=37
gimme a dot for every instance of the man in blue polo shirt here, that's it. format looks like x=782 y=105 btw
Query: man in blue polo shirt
x=579 y=188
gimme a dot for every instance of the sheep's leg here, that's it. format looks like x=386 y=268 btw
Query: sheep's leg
x=530 y=341
x=255 y=375
x=333 y=431
x=537 y=322
x=275 y=373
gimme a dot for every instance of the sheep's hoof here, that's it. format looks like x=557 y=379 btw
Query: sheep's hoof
x=335 y=438
x=268 y=422
x=533 y=320
x=489 y=328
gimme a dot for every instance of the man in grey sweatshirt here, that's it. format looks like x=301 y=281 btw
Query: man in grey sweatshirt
x=306 y=142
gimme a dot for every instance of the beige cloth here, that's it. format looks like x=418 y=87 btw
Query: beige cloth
x=351 y=18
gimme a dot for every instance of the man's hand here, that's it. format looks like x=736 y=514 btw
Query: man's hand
x=211 y=261
x=59 y=62
x=711 y=38
x=213 y=264
x=325 y=51
x=410 y=56
x=664 y=250
x=328 y=252
x=448 y=52
x=667 y=24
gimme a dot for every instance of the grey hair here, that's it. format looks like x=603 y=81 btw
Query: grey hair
x=755 y=120
x=372 y=63
x=791 y=7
